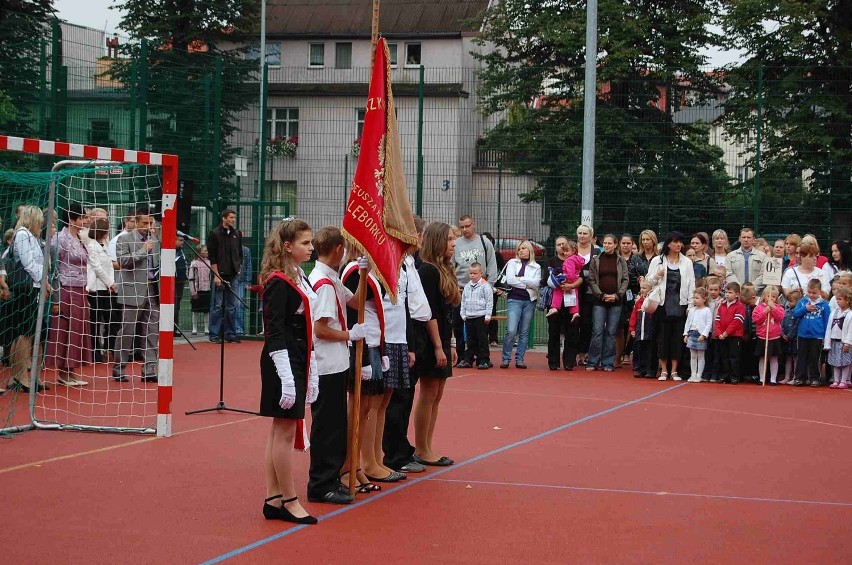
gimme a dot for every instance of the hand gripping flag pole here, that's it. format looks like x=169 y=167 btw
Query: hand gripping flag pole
x=378 y=220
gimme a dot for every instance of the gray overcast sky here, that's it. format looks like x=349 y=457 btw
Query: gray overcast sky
x=96 y=14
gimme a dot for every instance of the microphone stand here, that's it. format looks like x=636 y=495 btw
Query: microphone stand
x=226 y=287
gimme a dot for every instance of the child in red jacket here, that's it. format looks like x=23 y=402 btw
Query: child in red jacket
x=728 y=331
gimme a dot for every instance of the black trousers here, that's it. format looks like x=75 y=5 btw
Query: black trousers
x=587 y=306
x=458 y=332
x=560 y=324
x=477 y=340
x=328 y=434
x=643 y=357
x=398 y=450
x=711 y=370
x=807 y=363
x=105 y=319
x=729 y=358
x=748 y=362
x=179 y=288
x=493 y=325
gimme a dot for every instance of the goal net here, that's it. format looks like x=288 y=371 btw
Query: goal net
x=86 y=309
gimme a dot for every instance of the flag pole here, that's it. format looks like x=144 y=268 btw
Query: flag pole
x=355 y=417
x=374 y=32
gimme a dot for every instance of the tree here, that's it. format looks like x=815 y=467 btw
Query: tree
x=798 y=76
x=22 y=25
x=184 y=64
x=650 y=170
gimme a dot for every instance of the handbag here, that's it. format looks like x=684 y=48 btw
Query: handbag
x=545 y=299
x=16 y=276
x=501 y=283
x=655 y=297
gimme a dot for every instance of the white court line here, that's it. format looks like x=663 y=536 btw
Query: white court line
x=645 y=492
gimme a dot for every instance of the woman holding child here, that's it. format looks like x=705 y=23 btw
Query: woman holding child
x=562 y=322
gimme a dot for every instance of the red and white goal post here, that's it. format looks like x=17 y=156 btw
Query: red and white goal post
x=106 y=405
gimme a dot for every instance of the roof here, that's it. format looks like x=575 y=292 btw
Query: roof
x=352 y=18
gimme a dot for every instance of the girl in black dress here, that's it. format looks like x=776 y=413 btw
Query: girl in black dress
x=289 y=379
x=442 y=291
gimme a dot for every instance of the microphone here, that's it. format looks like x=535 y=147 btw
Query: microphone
x=189 y=237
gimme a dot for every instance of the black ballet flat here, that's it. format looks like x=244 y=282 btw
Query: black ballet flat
x=271 y=512
x=287 y=516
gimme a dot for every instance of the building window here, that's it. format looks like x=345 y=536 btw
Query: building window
x=742 y=173
x=316 y=55
x=99 y=133
x=283 y=191
x=412 y=54
x=342 y=55
x=282 y=122
x=393 y=48
x=273 y=54
x=360 y=116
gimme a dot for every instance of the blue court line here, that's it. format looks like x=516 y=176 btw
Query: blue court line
x=655 y=493
x=411 y=482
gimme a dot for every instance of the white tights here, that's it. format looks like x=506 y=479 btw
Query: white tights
x=843 y=374
x=773 y=368
x=696 y=362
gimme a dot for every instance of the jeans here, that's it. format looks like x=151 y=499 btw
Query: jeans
x=519 y=314
x=604 y=325
x=240 y=312
x=215 y=324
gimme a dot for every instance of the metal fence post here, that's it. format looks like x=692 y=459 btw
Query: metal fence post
x=143 y=95
x=756 y=203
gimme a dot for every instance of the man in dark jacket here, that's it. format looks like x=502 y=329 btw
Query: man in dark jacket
x=225 y=248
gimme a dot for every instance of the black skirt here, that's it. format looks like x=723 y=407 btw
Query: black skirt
x=270 y=384
x=775 y=349
x=18 y=315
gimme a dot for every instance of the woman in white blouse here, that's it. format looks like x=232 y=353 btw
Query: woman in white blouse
x=100 y=284
x=523 y=274
x=26 y=254
x=805 y=269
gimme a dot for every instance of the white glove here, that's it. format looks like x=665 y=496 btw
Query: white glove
x=358 y=331
x=385 y=363
x=363 y=263
x=313 y=381
x=366 y=373
x=281 y=359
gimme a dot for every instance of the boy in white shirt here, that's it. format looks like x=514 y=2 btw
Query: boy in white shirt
x=477 y=301
x=328 y=412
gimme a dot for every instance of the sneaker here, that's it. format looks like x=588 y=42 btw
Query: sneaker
x=590 y=368
x=693 y=379
x=482 y=366
x=664 y=376
x=463 y=365
x=608 y=369
x=675 y=376
x=814 y=383
x=504 y=365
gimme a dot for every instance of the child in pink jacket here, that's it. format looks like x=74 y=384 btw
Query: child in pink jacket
x=767 y=317
x=571 y=269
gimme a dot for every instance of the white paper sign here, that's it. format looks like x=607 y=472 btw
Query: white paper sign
x=586 y=217
x=772 y=270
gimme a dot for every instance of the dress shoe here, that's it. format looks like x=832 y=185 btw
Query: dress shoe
x=233 y=339
x=149 y=379
x=520 y=365
x=333 y=497
x=412 y=467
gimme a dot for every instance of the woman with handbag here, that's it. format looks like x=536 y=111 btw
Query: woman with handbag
x=523 y=274
x=674 y=279
x=561 y=322
x=608 y=281
x=24 y=269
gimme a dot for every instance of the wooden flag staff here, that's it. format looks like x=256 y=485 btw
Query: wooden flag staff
x=355 y=416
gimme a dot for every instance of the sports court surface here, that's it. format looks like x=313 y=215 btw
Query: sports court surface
x=551 y=467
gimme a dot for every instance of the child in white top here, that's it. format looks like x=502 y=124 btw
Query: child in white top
x=696 y=331
x=838 y=339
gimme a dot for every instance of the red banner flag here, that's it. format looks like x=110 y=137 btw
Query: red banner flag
x=378 y=219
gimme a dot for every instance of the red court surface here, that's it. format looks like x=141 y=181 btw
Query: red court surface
x=551 y=467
